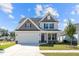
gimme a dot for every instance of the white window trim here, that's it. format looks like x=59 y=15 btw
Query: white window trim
x=47 y=25
x=28 y=26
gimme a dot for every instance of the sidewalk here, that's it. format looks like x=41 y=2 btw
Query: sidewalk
x=58 y=51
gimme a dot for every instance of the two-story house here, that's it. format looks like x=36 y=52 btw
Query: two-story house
x=38 y=30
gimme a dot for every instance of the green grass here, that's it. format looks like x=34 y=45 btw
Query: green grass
x=58 y=47
x=61 y=54
x=6 y=44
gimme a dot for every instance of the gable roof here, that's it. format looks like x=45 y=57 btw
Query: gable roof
x=36 y=22
x=45 y=19
x=24 y=20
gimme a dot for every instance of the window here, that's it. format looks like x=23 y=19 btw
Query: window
x=28 y=25
x=51 y=26
x=45 y=26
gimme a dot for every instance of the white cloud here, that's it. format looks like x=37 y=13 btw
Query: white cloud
x=72 y=19
x=38 y=9
x=22 y=16
x=47 y=5
x=38 y=13
x=43 y=9
x=11 y=16
x=65 y=23
x=6 y=7
x=65 y=20
x=77 y=6
x=76 y=10
x=73 y=13
x=52 y=11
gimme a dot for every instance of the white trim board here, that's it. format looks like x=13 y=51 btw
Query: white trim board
x=30 y=21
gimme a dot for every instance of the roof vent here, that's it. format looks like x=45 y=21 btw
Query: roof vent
x=48 y=17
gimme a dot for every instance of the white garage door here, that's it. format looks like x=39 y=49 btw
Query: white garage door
x=27 y=37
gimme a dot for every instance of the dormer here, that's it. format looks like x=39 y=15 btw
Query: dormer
x=48 y=22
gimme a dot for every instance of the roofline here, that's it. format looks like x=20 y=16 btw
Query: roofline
x=30 y=21
x=34 y=24
x=45 y=16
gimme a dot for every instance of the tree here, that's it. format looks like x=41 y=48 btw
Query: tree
x=12 y=35
x=4 y=32
x=70 y=30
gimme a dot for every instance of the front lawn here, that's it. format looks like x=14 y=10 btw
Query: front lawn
x=6 y=44
x=61 y=54
x=57 y=47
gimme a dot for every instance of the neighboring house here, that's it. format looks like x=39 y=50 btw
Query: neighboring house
x=76 y=35
x=77 y=32
x=38 y=30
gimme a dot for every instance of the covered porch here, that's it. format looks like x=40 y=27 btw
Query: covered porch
x=48 y=37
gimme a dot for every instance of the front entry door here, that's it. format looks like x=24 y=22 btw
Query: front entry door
x=42 y=37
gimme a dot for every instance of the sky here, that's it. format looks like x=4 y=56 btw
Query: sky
x=11 y=13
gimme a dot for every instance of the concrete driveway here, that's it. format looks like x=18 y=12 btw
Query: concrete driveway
x=23 y=50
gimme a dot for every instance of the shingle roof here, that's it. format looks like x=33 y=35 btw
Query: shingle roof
x=37 y=22
x=52 y=18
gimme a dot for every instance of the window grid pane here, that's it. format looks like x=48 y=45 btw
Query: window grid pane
x=51 y=26
x=45 y=26
x=28 y=26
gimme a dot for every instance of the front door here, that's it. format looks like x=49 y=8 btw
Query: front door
x=42 y=37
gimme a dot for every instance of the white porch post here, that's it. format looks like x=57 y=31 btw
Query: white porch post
x=58 y=38
x=51 y=36
x=47 y=37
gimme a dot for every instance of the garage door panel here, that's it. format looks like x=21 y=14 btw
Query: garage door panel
x=28 y=37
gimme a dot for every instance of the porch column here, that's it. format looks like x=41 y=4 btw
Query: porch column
x=58 y=38
x=45 y=36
